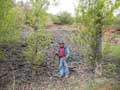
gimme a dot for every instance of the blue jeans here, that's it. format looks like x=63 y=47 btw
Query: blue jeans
x=63 y=67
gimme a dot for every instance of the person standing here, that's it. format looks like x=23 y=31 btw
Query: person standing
x=64 y=54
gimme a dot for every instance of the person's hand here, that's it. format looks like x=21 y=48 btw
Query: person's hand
x=55 y=53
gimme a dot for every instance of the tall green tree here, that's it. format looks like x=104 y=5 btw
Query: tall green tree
x=11 y=19
x=5 y=6
x=94 y=15
x=39 y=39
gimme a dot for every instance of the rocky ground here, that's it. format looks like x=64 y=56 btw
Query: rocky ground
x=15 y=72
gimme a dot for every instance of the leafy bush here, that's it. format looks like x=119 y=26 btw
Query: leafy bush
x=11 y=25
x=63 y=18
x=38 y=40
x=117 y=23
x=107 y=48
x=56 y=20
x=2 y=55
x=11 y=20
x=111 y=49
x=116 y=51
x=110 y=70
x=43 y=40
x=84 y=40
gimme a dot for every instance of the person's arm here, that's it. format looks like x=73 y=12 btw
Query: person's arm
x=68 y=52
x=57 y=52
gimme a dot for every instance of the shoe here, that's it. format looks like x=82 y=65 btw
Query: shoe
x=58 y=75
x=61 y=76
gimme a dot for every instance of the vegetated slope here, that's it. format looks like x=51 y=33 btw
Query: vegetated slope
x=15 y=71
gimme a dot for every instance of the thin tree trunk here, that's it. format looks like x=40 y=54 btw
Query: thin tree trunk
x=99 y=45
x=36 y=46
x=98 y=68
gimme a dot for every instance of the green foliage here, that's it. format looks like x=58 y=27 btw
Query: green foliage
x=11 y=25
x=55 y=19
x=5 y=6
x=11 y=19
x=117 y=23
x=43 y=40
x=111 y=49
x=39 y=39
x=116 y=51
x=2 y=55
x=110 y=70
x=35 y=55
x=94 y=14
x=116 y=86
x=107 y=48
x=63 y=18
x=83 y=40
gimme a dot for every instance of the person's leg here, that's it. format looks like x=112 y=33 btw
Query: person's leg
x=61 y=67
x=67 y=72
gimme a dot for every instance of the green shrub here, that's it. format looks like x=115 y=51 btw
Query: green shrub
x=56 y=20
x=111 y=49
x=110 y=70
x=11 y=25
x=63 y=18
x=116 y=86
x=11 y=21
x=117 y=23
x=34 y=57
x=107 y=48
x=84 y=39
x=39 y=39
x=116 y=51
x=2 y=55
